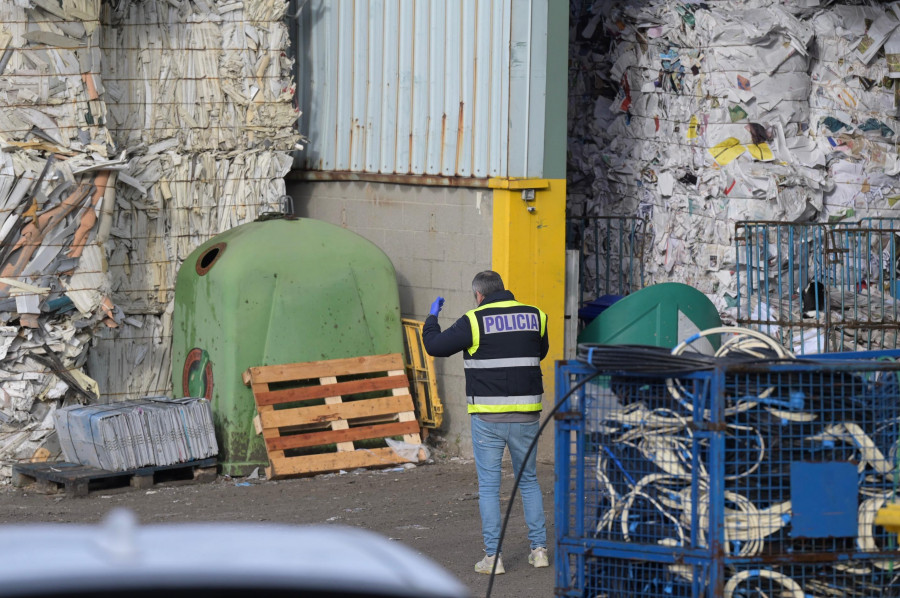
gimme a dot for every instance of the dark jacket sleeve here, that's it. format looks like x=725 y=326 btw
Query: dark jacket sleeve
x=450 y=341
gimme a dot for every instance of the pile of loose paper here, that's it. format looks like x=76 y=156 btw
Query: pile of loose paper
x=131 y=132
x=696 y=115
x=139 y=433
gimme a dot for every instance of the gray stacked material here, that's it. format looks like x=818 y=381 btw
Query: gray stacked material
x=139 y=433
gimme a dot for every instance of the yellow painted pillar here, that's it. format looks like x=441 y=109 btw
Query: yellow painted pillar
x=529 y=252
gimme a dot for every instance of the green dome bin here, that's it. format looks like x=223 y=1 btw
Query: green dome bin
x=661 y=315
x=271 y=292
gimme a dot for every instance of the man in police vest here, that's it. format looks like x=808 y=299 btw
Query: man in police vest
x=503 y=342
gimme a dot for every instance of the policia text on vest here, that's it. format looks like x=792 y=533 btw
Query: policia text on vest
x=510 y=322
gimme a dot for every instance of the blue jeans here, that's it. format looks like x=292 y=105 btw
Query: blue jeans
x=488 y=442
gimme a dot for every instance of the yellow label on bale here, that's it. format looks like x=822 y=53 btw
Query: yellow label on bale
x=726 y=151
x=760 y=151
x=692 y=128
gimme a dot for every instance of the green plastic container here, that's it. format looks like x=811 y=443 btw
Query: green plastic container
x=661 y=315
x=273 y=292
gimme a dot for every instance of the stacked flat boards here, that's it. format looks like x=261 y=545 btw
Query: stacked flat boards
x=137 y=433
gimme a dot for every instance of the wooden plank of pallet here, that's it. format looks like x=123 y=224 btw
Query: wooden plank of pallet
x=326 y=462
x=370 y=408
x=345 y=435
x=318 y=369
x=410 y=437
x=333 y=388
x=259 y=387
x=337 y=424
x=270 y=433
x=407 y=416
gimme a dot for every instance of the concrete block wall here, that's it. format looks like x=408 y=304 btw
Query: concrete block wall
x=438 y=238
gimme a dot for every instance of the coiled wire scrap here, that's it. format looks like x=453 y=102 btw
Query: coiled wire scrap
x=663 y=438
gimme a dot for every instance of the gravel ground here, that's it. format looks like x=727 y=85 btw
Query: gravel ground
x=431 y=508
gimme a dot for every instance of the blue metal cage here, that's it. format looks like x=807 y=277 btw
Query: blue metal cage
x=820 y=287
x=757 y=480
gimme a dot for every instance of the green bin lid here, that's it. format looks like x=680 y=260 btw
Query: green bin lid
x=661 y=315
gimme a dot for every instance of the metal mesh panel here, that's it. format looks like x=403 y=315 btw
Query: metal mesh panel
x=631 y=463
x=846 y=579
x=864 y=313
x=797 y=434
x=642 y=447
x=766 y=477
x=611 y=254
x=612 y=577
x=820 y=287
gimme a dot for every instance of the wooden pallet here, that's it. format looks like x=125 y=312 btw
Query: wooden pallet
x=80 y=480
x=330 y=406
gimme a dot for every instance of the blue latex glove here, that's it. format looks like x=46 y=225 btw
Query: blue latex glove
x=436 y=306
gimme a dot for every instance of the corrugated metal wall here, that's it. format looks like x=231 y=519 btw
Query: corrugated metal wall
x=450 y=88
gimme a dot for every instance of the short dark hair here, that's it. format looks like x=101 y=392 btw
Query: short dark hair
x=487 y=282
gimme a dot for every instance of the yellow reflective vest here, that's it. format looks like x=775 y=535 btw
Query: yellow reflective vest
x=503 y=364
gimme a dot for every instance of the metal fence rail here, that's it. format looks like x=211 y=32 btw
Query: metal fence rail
x=746 y=480
x=820 y=287
x=611 y=254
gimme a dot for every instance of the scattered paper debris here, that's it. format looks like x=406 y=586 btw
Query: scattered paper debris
x=130 y=133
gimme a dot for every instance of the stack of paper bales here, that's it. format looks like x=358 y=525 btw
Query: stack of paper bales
x=129 y=134
x=200 y=96
x=698 y=115
x=139 y=433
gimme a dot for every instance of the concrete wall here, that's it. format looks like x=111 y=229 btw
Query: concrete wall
x=438 y=238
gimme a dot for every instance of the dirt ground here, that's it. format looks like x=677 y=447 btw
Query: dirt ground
x=431 y=508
